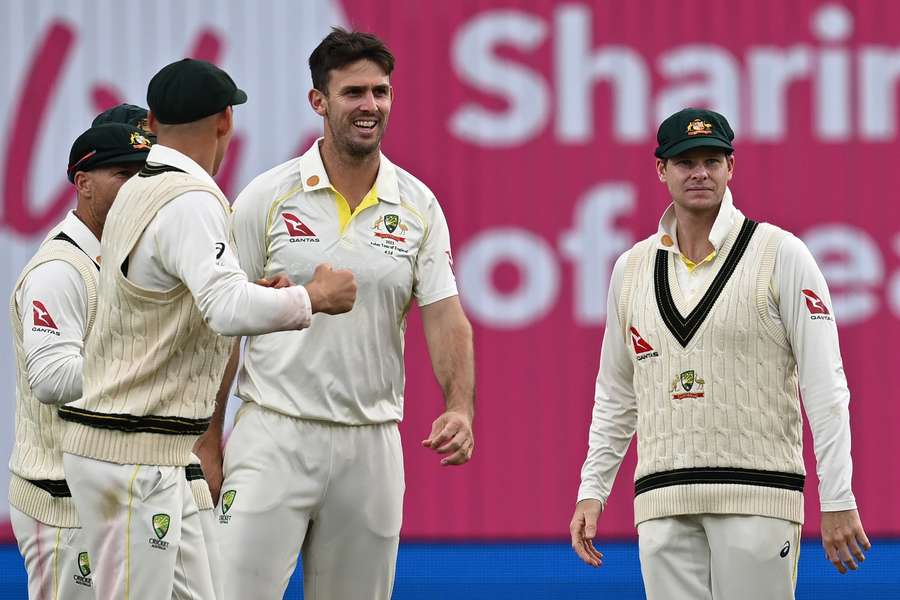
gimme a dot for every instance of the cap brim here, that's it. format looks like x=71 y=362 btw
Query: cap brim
x=239 y=97
x=697 y=142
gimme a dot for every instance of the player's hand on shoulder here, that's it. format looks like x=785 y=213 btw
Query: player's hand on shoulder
x=331 y=291
x=844 y=539
x=583 y=528
x=277 y=281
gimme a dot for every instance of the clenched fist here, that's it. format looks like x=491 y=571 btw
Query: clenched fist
x=331 y=292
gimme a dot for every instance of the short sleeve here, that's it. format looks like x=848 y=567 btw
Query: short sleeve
x=433 y=275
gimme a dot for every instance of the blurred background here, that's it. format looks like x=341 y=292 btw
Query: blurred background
x=534 y=123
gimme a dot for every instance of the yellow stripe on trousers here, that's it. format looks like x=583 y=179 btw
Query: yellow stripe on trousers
x=56 y=564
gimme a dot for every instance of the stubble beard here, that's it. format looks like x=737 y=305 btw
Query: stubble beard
x=345 y=145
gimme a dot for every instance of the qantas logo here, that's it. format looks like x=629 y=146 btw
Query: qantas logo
x=298 y=229
x=42 y=318
x=817 y=308
x=641 y=346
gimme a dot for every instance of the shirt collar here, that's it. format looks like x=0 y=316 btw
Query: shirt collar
x=73 y=227
x=312 y=169
x=728 y=214
x=164 y=155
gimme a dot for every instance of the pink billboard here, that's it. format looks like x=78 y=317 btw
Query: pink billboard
x=534 y=124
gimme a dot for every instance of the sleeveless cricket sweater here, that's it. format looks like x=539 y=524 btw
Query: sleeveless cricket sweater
x=38 y=487
x=719 y=425
x=152 y=365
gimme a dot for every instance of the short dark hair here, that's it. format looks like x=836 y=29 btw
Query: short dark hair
x=341 y=48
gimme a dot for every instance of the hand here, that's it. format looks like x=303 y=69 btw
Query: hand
x=331 y=292
x=208 y=448
x=842 y=536
x=451 y=433
x=583 y=529
x=277 y=281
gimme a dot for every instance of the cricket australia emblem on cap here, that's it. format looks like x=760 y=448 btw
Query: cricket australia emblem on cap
x=138 y=141
x=699 y=127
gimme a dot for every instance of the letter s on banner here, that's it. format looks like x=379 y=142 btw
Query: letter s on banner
x=524 y=90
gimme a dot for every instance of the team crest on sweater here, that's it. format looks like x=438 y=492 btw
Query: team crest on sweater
x=687 y=385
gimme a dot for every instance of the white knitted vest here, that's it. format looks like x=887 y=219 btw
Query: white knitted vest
x=152 y=366
x=37 y=487
x=719 y=425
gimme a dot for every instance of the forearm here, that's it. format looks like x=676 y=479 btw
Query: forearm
x=829 y=421
x=454 y=368
x=217 y=422
x=234 y=306
x=612 y=428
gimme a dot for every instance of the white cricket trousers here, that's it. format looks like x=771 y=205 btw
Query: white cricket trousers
x=331 y=492
x=719 y=557
x=56 y=559
x=143 y=530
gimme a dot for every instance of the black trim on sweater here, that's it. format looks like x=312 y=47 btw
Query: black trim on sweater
x=684 y=328
x=153 y=170
x=134 y=423
x=58 y=488
x=773 y=479
x=62 y=237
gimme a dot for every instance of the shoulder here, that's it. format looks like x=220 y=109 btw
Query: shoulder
x=415 y=193
x=270 y=185
x=54 y=276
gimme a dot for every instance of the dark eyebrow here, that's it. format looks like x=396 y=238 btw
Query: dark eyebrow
x=355 y=89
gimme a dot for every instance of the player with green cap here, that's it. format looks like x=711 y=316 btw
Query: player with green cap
x=716 y=322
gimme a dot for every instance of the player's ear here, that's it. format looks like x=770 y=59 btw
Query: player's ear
x=224 y=122
x=83 y=184
x=152 y=123
x=317 y=101
x=661 y=169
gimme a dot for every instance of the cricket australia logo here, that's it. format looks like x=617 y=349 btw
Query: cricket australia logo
x=227 y=501
x=161 y=524
x=390 y=234
x=84 y=566
x=687 y=385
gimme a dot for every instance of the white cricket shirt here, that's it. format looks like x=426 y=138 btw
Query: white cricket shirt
x=347 y=368
x=53 y=303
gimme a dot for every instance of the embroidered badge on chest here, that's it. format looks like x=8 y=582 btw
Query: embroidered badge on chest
x=687 y=385
x=389 y=233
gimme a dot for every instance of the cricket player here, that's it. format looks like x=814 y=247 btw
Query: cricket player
x=714 y=322
x=138 y=116
x=52 y=310
x=169 y=290
x=314 y=465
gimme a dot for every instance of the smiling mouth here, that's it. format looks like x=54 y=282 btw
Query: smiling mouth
x=365 y=123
